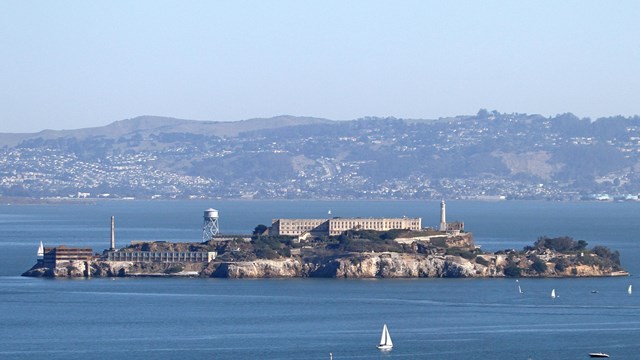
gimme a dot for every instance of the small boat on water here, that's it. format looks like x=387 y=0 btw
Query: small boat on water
x=519 y=288
x=598 y=355
x=41 y=250
x=630 y=289
x=553 y=293
x=385 y=340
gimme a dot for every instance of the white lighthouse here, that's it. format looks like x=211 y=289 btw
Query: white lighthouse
x=210 y=227
x=443 y=216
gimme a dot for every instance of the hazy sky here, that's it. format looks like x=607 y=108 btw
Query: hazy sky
x=74 y=64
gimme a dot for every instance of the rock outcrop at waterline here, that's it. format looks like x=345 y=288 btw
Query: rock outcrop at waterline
x=366 y=265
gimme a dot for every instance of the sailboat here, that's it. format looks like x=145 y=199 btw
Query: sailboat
x=630 y=289
x=553 y=293
x=385 y=339
x=40 y=250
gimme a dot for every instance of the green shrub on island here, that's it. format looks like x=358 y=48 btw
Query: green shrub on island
x=606 y=254
x=561 y=264
x=538 y=265
x=563 y=244
x=272 y=247
x=440 y=242
x=512 y=270
x=600 y=256
x=366 y=241
x=463 y=253
x=260 y=230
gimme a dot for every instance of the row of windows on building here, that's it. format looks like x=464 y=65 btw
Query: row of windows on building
x=142 y=256
x=336 y=226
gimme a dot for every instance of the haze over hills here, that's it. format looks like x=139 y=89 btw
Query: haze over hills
x=148 y=125
x=487 y=155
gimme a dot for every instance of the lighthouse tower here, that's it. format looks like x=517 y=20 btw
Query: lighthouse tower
x=210 y=227
x=443 y=216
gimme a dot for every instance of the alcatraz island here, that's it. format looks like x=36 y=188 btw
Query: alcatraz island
x=335 y=248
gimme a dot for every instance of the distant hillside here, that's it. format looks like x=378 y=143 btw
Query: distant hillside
x=148 y=125
x=488 y=155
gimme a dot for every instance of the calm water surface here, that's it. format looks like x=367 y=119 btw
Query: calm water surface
x=308 y=318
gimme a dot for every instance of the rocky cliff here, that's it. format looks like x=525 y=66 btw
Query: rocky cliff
x=360 y=265
x=353 y=255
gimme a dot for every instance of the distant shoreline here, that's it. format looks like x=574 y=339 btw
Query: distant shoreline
x=93 y=201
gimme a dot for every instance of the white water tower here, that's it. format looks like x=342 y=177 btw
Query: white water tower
x=210 y=227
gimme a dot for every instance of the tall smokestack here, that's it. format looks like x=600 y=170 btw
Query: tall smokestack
x=113 y=234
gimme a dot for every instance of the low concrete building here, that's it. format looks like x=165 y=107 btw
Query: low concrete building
x=161 y=256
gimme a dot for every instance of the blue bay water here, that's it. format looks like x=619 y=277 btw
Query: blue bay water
x=309 y=318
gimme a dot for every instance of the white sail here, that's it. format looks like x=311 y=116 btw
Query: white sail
x=553 y=293
x=388 y=338
x=385 y=339
x=630 y=289
x=41 y=250
x=519 y=289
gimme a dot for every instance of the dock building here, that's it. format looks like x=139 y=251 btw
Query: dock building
x=54 y=255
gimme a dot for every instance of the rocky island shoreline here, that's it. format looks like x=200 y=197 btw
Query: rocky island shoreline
x=354 y=254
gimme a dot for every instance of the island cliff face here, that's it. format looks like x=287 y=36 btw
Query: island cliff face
x=357 y=265
x=359 y=254
x=392 y=265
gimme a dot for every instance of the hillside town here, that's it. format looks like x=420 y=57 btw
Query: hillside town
x=486 y=156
